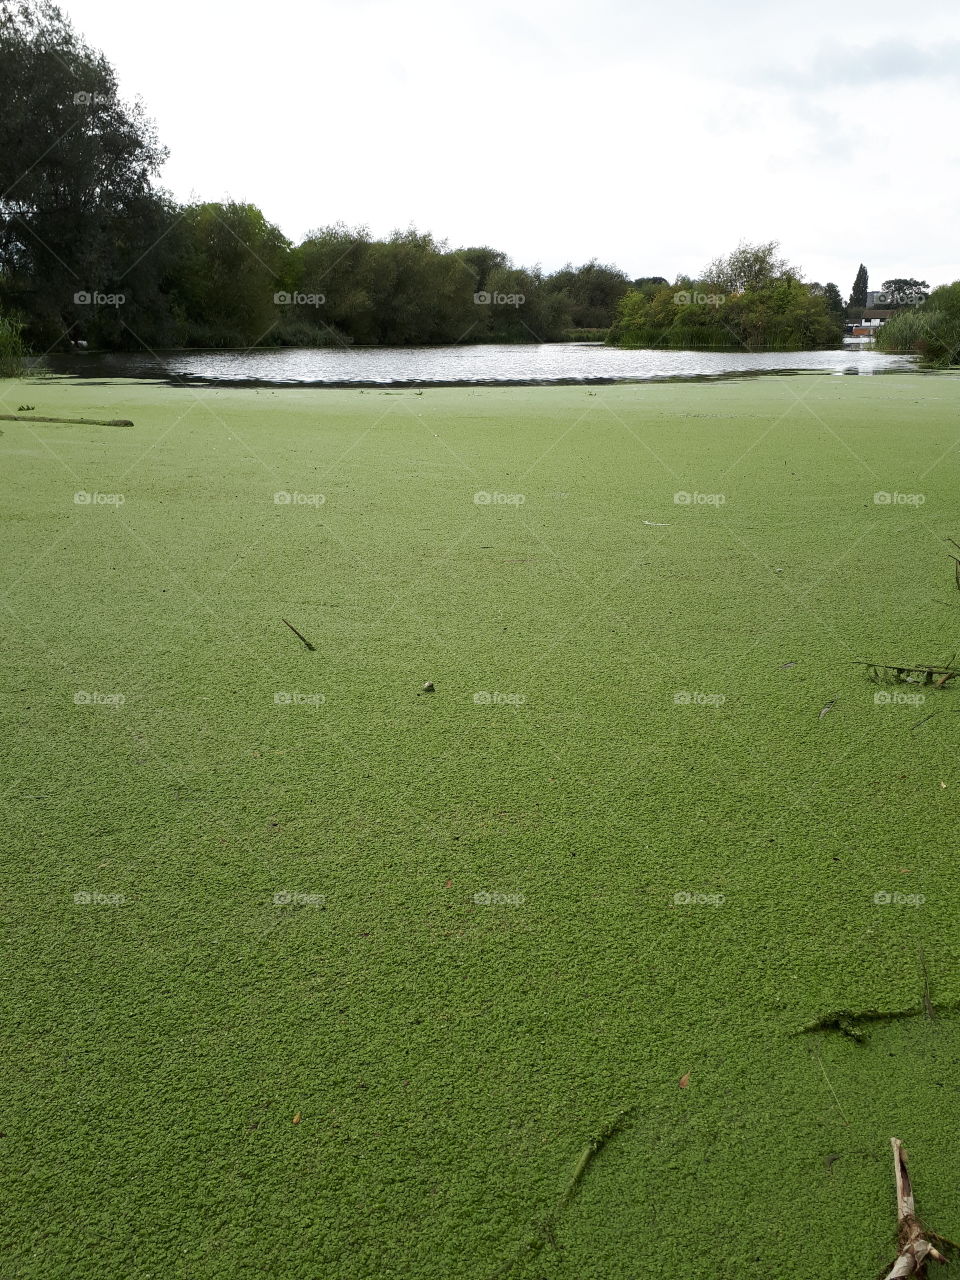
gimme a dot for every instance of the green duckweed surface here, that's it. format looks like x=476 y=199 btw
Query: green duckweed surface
x=314 y=974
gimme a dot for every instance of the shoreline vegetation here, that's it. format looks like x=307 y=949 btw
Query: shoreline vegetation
x=930 y=330
x=93 y=252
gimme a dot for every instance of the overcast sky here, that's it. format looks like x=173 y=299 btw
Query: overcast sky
x=651 y=135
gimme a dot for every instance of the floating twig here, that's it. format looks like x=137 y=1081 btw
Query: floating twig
x=543 y=1234
x=587 y=1155
x=73 y=422
x=956 y=563
x=890 y=673
x=928 y=1008
x=915 y=1248
x=311 y=647
x=923 y=721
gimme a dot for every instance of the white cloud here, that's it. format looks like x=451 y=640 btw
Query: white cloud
x=654 y=136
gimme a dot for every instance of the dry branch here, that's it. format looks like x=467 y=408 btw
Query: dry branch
x=915 y=1248
x=73 y=422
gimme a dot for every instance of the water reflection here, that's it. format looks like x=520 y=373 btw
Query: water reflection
x=558 y=362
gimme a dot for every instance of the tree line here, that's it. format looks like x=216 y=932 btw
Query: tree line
x=751 y=300
x=93 y=251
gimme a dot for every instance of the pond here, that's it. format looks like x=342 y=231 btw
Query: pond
x=557 y=362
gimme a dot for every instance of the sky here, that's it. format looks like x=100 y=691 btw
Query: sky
x=654 y=136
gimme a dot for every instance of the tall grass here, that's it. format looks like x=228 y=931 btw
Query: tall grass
x=12 y=348
x=931 y=331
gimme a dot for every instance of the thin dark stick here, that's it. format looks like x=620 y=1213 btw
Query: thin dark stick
x=924 y=720
x=311 y=647
x=927 y=1002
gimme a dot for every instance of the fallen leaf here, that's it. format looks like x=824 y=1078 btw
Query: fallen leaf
x=944 y=785
x=296 y=1118
x=684 y=1080
x=448 y=885
x=826 y=709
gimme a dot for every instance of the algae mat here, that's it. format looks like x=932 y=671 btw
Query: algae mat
x=316 y=974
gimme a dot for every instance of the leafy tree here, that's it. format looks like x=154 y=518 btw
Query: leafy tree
x=749 y=266
x=537 y=312
x=905 y=293
x=858 y=294
x=330 y=263
x=480 y=263
x=772 y=313
x=593 y=291
x=229 y=265
x=76 y=164
x=833 y=298
x=419 y=291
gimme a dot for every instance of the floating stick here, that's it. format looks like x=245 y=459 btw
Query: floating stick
x=311 y=647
